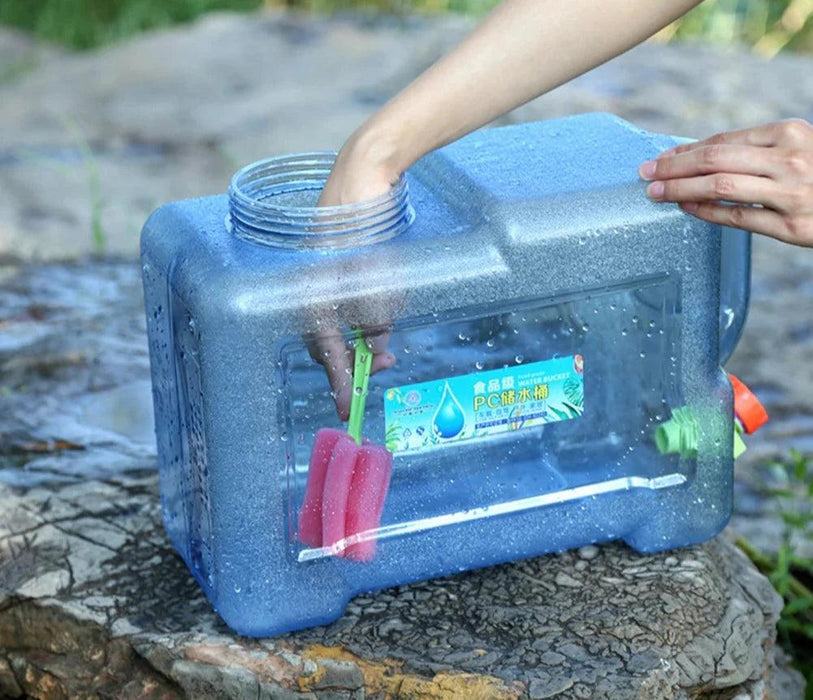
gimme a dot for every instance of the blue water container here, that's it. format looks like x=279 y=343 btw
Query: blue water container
x=559 y=341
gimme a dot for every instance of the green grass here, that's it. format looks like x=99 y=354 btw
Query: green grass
x=86 y=24
x=769 y=26
x=790 y=481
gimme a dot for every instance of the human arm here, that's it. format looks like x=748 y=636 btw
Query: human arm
x=522 y=49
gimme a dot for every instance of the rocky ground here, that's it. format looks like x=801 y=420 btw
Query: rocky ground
x=92 y=598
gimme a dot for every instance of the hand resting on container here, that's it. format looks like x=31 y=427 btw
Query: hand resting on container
x=758 y=179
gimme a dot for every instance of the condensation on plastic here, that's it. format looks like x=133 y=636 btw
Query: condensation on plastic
x=528 y=242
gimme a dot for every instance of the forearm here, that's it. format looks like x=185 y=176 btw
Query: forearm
x=521 y=50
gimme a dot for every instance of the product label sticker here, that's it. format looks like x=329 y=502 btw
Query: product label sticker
x=430 y=414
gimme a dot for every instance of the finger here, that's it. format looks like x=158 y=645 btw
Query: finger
x=754 y=219
x=377 y=344
x=761 y=136
x=745 y=189
x=385 y=360
x=377 y=341
x=746 y=160
x=331 y=351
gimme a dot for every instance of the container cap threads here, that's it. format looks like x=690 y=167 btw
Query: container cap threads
x=273 y=202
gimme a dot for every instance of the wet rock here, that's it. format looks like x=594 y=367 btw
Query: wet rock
x=549 y=687
x=93 y=597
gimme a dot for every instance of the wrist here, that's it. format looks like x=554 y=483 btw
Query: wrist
x=379 y=147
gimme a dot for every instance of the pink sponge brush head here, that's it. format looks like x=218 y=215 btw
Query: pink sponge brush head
x=347 y=480
x=365 y=501
x=310 y=516
x=337 y=487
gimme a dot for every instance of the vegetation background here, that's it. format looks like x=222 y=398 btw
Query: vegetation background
x=769 y=26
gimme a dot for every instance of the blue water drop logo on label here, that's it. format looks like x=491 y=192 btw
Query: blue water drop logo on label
x=449 y=419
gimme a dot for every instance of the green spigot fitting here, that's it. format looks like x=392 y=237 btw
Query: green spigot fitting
x=678 y=434
x=739 y=445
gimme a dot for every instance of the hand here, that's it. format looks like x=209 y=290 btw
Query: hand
x=331 y=351
x=360 y=173
x=765 y=172
x=363 y=170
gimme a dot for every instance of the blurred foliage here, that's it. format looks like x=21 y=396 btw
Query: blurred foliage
x=769 y=26
x=790 y=482
x=85 y=24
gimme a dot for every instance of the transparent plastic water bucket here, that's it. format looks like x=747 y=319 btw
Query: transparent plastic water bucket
x=546 y=319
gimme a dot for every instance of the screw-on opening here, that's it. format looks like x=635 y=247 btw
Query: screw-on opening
x=273 y=202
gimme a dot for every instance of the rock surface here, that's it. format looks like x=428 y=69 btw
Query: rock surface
x=92 y=598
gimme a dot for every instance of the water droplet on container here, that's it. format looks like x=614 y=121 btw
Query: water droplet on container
x=490 y=342
x=479 y=365
x=519 y=359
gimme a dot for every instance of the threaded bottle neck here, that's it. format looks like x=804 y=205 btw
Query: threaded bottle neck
x=273 y=202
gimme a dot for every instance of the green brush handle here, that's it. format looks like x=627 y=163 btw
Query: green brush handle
x=361 y=378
